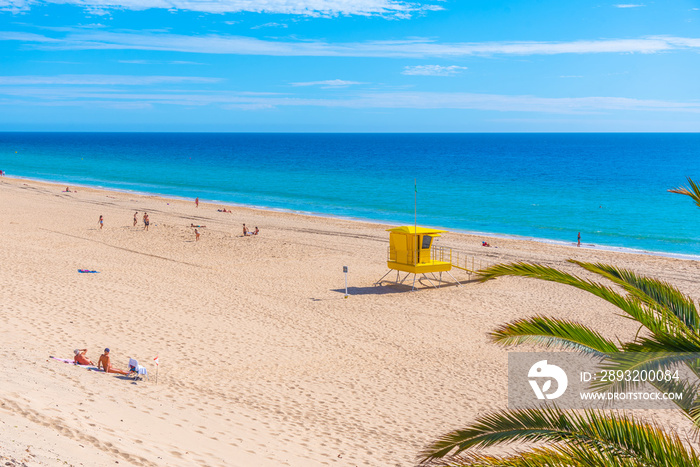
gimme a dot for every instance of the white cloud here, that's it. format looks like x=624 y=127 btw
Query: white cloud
x=395 y=8
x=433 y=70
x=102 y=80
x=329 y=83
x=79 y=39
x=159 y=62
x=628 y=5
x=270 y=25
x=76 y=96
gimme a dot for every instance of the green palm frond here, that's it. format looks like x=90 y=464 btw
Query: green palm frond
x=651 y=291
x=677 y=340
x=609 y=434
x=693 y=191
x=560 y=456
x=506 y=427
x=654 y=321
x=550 y=333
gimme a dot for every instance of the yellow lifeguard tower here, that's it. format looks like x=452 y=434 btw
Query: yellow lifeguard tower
x=411 y=250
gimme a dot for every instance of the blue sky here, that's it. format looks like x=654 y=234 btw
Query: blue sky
x=344 y=65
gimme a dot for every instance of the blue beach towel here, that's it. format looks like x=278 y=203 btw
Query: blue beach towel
x=87 y=271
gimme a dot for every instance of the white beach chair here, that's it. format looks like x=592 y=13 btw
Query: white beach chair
x=137 y=371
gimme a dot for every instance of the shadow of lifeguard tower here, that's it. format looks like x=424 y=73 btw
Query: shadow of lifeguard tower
x=411 y=250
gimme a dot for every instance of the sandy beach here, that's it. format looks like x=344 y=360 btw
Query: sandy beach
x=263 y=362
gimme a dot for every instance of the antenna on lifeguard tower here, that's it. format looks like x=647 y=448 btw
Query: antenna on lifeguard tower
x=415 y=217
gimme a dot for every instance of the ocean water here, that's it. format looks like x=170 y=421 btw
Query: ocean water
x=610 y=187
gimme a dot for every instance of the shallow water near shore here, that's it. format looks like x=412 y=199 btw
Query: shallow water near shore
x=610 y=187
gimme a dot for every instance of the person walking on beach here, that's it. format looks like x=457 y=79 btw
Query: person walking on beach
x=579 y=239
x=101 y=222
x=135 y=219
x=245 y=230
x=106 y=364
x=146 y=221
x=196 y=235
x=196 y=202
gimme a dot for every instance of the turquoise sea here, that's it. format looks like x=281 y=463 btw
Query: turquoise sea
x=610 y=187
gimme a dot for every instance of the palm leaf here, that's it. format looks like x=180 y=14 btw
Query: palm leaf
x=559 y=456
x=652 y=320
x=651 y=291
x=694 y=194
x=612 y=434
x=553 y=333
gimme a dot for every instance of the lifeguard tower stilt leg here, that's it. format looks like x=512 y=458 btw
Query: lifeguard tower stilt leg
x=379 y=282
x=453 y=278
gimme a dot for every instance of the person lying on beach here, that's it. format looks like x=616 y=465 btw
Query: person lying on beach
x=106 y=364
x=80 y=358
x=223 y=210
x=200 y=226
x=67 y=190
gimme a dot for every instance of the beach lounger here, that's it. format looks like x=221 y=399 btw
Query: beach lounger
x=137 y=371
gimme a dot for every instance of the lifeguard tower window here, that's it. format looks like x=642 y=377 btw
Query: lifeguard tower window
x=426 y=242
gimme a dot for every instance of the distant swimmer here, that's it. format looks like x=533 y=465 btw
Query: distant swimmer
x=579 y=239
x=101 y=222
x=135 y=219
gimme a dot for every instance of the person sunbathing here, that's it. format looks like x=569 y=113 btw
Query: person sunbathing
x=80 y=358
x=106 y=364
x=198 y=226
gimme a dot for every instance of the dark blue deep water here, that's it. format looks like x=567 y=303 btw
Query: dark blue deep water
x=610 y=187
